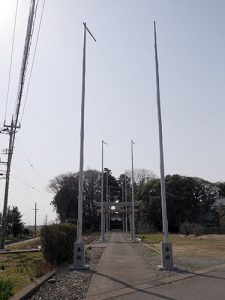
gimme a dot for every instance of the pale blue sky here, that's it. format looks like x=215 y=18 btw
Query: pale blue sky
x=120 y=90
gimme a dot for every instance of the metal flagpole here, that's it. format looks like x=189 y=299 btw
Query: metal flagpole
x=166 y=247
x=107 y=203
x=79 y=256
x=122 y=190
x=132 y=177
x=126 y=202
x=109 y=208
x=102 y=191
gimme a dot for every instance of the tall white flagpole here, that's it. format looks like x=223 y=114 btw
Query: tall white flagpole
x=80 y=195
x=79 y=257
x=125 y=182
x=132 y=178
x=167 y=260
x=102 y=197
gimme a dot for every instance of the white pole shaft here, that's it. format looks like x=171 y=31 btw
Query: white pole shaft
x=110 y=208
x=122 y=191
x=163 y=188
x=102 y=214
x=132 y=170
x=80 y=195
x=126 y=203
x=107 y=201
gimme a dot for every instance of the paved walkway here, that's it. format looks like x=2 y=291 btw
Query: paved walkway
x=120 y=267
x=122 y=274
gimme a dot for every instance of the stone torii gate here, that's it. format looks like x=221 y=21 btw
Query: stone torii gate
x=119 y=208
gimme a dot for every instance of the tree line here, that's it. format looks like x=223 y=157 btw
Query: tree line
x=14 y=222
x=189 y=199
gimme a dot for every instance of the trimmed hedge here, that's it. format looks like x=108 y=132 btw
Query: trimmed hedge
x=58 y=242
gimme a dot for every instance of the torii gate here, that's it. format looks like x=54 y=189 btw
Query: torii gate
x=118 y=207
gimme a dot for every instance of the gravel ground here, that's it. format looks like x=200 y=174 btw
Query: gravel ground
x=154 y=260
x=182 y=264
x=68 y=284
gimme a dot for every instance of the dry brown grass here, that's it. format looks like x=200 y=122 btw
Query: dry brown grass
x=204 y=246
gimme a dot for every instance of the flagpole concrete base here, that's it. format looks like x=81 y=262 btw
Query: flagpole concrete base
x=83 y=268
x=166 y=255
x=161 y=268
x=79 y=257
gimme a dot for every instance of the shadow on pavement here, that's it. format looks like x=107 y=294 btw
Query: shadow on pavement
x=135 y=289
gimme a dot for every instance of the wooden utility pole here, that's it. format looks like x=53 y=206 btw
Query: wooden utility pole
x=35 y=219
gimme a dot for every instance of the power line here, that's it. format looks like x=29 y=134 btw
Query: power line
x=29 y=185
x=20 y=194
x=35 y=49
x=26 y=52
x=29 y=161
x=11 y=59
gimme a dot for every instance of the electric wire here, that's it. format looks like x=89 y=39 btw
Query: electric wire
x=20 y=195
x=29 y=161
x=32 y=64
x=29 y=185
x=26 y=53
x=11 y=59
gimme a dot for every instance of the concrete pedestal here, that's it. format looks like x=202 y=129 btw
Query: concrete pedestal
x=79 y=257
x=166 y=255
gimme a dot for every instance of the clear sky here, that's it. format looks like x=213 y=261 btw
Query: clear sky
x=120 y=91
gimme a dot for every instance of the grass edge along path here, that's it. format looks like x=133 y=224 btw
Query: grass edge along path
x=191 y=252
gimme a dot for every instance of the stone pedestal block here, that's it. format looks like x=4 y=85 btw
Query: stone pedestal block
x=79 y=256
x=166 y=255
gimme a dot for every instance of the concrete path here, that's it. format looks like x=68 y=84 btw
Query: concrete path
x=122 y=274
x=120 y=267
x=207 y=286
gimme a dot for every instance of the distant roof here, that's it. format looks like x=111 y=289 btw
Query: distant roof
x=219 y=202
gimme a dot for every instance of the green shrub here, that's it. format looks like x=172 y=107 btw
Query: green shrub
x=6 y=288
x=57 y=242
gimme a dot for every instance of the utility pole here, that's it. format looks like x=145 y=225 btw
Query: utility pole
x=79 y=255
x=35 y=219
x=14 y=123
x=46 y=220
x=8 y=163
x=166 y=247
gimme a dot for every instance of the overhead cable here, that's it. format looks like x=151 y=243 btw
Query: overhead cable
x=29 y=161
x=11 y=59
x=32 y=64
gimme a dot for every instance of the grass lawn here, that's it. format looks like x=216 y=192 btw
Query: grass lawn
x=22 y=268
x=212 y=245
x=25 y=245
